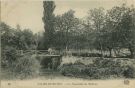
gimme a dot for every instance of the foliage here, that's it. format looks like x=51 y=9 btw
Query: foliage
x=24 y=39
x=100 y=69
x=96 y=17
x=11 y=41
x=19 y=66
x=65 y=25
x=16 y=38
x=8 y=57
x=48 y=20
x=129 y=71
x=102 y=30
x=120 y=21
x=7 y=34
x=26 y=66
x=71 y=70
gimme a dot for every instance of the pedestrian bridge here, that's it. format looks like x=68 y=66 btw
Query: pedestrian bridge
x=47 y=59
x=40 y=53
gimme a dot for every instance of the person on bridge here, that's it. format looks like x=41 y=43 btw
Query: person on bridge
x=50 y=50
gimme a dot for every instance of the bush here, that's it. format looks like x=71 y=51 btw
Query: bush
x=26 y=66
x=129 y=72
x=78 y=62
x=72 y=70
x=18 y=66
x=100 y=69
x=8 y=57
x=100 y=62
x=101 y=73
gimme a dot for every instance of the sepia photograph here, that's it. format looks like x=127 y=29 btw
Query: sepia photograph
x=67 y=43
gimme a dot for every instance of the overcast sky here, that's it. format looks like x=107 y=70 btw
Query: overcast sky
x=29 y=13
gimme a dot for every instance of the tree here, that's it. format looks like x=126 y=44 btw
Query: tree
x=127 y=28
x=24 y=39
x=16 y=38
x=65 y=25
x=7 y=34
x=96 y=19
x=107 y=39
x=48 y=20
x=121 y=23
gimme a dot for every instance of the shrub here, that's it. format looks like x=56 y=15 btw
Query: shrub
x=129 y=72
x=18 y=66
x=70 y=71
x=100 y=69
x=78 y=62
x=26 y=66
x=100 y=62
x=8 y=57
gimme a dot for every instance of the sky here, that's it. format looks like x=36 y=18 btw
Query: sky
x=28 y=13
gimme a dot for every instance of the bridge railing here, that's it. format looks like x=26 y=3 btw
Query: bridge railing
x=41 y=52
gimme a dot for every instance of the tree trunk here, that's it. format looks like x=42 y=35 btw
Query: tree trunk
x=101 y=50
x=110 y=52
x=66 y=47
x=132 y=53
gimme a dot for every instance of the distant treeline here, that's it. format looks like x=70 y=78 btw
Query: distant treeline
x=103 y=30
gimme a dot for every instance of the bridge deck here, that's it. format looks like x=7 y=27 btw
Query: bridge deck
x=39 y=53
x=49 y=55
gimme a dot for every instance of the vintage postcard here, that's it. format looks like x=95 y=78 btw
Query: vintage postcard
x=67 y=44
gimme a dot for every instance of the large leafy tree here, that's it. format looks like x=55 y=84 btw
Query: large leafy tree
x=48 y=20
x=120 y=25
x=16 y=38
x=7 y=34
x=97 y=18
x=24 y=39
x=127 y=29
x=65 y=25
